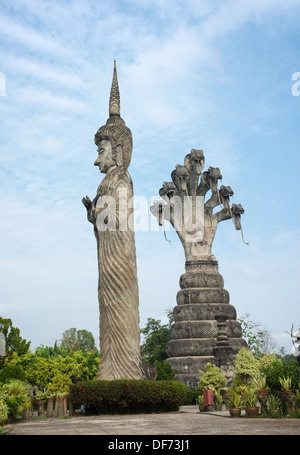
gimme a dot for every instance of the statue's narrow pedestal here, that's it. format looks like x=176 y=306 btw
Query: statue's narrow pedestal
x=205 y=324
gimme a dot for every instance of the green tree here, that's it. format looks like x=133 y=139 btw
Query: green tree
x=259 y=340
x=59 y=384
x=78 y=340
x=38 y=370
x=49 y=352
x=13 y=341
x=246 y=365
x=156 y=338
x=12 y=372
x=164 y=371
x=77 y=365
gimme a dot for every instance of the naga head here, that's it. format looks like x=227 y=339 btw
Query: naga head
x=180 y=177
x=214 y=174
x=237 y=210
x=167 y=191
x=225 y=193
x=196 y=160
x=157 y=209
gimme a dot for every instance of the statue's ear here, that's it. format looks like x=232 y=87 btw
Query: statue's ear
x=119 y=157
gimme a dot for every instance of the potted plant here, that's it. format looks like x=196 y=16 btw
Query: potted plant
x=286 y=384
x=235 y=404
x=288 y=397
x=260 y=384
x=41 y=398
x=218 y=400
x=201 y=403
x=211 y=381
x=250 y=401
x=274 y=404
x=297 y=400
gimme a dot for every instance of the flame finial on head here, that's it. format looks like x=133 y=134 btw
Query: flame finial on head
x=114 y=99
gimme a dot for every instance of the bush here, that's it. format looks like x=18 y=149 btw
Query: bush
x=127 y=396
x=212 y=378
x=192 y=397
x=246 y=365
x=3 y=410
x=59 y=384
x=278 y=369
x=164 y=371
x=12 y=372
x=16 y=395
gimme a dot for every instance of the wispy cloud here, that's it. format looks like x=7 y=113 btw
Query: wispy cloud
x=29 y=37
x=44 y=73
x=31 y=95
x=191 y=75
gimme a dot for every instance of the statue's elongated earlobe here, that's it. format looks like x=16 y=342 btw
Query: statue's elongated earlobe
x=119 y=155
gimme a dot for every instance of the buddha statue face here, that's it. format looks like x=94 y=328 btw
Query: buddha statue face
x=106 y=159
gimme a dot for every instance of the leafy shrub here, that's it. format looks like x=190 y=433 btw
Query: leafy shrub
x=192 y=397
x=3 y=410
x=16 y=395
x=12 y=372
x=267 y=359
x=59 y=384
x=212 y=378
x=278 y=369
x=127 y=396
x=246 y=365
x=164 y=371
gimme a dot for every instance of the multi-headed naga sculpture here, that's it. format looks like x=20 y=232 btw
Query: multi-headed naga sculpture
x=205 y=328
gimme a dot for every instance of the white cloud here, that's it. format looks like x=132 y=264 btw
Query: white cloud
x=185 y=82
x=30 y=95
x=45 y=72
x=25 y=36
x=233 y=14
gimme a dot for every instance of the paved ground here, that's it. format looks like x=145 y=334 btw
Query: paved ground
x=187 y=421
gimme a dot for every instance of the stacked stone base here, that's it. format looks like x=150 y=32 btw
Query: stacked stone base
x=201 y=300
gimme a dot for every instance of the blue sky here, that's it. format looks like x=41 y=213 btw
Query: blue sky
x=215 y=75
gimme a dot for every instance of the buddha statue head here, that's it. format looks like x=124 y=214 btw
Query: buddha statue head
x=114 y=139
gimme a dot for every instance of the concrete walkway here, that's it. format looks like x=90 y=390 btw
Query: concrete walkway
x=187 y=421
